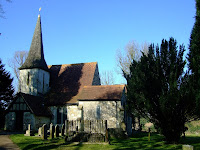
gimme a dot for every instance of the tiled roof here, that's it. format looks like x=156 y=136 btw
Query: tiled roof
x=35 y=57
x=102 y=92
x=66 y=82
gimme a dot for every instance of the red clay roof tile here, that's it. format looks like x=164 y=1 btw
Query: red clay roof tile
x=102 y=92
x=67 y=81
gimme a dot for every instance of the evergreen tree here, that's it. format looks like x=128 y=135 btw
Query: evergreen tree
x=194 y=47
x=194 y=57
x=157 y=89
x=6 y=90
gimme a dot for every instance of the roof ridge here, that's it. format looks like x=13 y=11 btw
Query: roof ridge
x=73 y=64
x=105 y=85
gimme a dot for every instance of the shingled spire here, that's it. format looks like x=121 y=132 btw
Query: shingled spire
x=35 y=57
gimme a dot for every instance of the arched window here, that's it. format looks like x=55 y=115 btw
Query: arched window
x=98 y=112
x=28 y=78
x=43 y=84
x=58 y=116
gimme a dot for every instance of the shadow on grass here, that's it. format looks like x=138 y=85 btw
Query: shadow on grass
x=55 y=143
x=140 y=141
x=191 y=140
x=78 y=146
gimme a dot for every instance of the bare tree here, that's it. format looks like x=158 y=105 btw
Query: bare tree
x=107 y=78
x=132 y=50
x=2 y=10
x=16 y=61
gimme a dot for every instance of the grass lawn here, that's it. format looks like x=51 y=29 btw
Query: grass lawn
x=139 y=141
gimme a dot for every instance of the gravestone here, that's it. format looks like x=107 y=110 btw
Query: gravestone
x=66 y=127
x=29 y=132
x=62 y=130
x=187 y=147
x=40 y=131
x=52 y=131
x=44 y=132
x=106 y=131
x=57 y=131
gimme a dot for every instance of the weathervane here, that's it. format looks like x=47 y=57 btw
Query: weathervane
x=40 y=10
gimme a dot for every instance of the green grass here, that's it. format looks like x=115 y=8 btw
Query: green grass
x=139 y=141
x=193 y=127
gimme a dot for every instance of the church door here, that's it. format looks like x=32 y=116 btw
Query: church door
x=19 y=120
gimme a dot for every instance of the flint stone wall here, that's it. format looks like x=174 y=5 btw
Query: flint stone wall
x=39 y=121
x=10 y=120
x=109 y=110
x=29 y=118
x=73 y=112
x=34 y=84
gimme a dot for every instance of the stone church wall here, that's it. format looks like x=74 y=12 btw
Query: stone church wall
x=73 y=112
x=63 y=113
x=103 y=110
x=39 y=121
x=10 y=120
x=29 y=118
x=34 y=81
x=35 y=121
x=54 y=114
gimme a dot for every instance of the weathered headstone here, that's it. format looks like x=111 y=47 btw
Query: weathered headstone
x=187 y=147
x=82 y=125
x=52 y=131
x=57 y=131
x=62 y=130
x=40 y=131
x=29 y=131
x=106 y=131
x=66 y=127
x=44 y=132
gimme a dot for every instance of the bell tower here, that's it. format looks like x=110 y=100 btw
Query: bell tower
x=34 y=73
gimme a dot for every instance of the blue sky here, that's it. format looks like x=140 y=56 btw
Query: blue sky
x=77 y=31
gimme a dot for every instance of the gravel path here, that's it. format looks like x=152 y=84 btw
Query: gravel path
x=6 y=143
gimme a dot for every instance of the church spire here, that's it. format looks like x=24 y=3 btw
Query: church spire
x=35 y=57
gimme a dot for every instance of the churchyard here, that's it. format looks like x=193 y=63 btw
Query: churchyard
x=138 y=141
x=62 y=137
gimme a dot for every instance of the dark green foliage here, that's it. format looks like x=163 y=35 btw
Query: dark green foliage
x=194 y=56
x=194 y=47
x=6 y=90
x=158 y=89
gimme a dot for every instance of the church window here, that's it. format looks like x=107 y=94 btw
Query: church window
x=98 y=112
x=43 y=84
x=17 y=106
x=58 y=116
x=64 y=115
x=21 y=106
x=28 y=78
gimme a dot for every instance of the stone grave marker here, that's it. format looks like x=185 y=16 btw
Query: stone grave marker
x=57 y=131
x=40 y=131
x=44 y=132
x=29 y=131
x=52 y=131
x=62 y=130
x=187 y=147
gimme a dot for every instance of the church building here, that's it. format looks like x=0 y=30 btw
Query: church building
x=53 y=93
